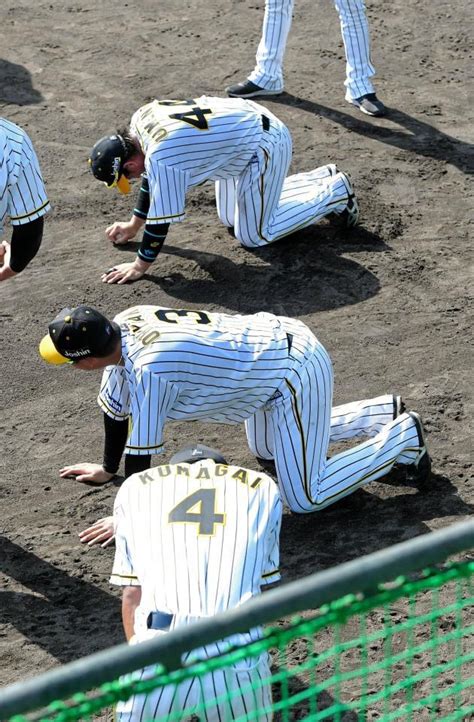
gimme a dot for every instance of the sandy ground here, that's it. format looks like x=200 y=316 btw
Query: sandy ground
x=389 y=300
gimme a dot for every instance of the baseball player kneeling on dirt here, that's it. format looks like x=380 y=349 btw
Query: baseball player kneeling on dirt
x=267 y=371
x=22 y=198
x=242 y=146
x=175 y=524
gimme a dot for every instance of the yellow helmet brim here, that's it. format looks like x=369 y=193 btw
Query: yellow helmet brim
x=49 y=353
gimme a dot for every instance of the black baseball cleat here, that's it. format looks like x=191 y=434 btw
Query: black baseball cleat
x=370 y=105
x=247 y=89
x=420 y=469
x=350 y=215
x=399 y=407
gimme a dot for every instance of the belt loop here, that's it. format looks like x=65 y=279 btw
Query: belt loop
x=265 y=123
x=289 y=337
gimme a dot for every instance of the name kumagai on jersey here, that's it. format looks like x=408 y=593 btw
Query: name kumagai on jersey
x=213 y=541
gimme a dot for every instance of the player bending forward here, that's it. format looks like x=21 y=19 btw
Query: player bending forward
x=242 y=146
x=22 y=198
x=183 y=553
x=267 y=371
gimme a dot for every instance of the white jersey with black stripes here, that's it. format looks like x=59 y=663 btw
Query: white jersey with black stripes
x=187 y=142
x=198 y=539
x=267 y=371
x=22 y=193
x=246 y=151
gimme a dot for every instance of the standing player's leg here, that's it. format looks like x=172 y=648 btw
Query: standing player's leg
x=359 y=68
x=270 y=205
x=268 y=72
x=267 y=77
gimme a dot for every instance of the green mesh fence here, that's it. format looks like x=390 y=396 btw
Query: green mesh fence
x=403 y=652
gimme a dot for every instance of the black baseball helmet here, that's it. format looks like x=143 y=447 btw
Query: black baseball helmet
x=197 y=452
x=78 y=333
x=106 y=162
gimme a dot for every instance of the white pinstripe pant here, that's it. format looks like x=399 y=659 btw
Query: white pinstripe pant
x=296 y=428
x=228 y=694
x=263 y=204
x=268 y=72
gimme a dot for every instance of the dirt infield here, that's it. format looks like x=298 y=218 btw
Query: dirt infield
x=390 y=300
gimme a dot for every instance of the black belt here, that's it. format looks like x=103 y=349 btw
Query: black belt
x=265 y=123
x=159 y=620
x=289 y=336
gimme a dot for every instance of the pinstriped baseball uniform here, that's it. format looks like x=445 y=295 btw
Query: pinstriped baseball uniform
x=267 y=371
x=199 y=539
x=268 y=71
x=22 y=192
x=224 y=140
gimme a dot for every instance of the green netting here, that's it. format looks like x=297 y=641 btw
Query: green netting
x=404 y=652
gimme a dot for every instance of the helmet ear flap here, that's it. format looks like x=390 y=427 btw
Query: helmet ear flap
x=123 y=184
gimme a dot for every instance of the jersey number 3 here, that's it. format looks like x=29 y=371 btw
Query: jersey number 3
x=198 y=508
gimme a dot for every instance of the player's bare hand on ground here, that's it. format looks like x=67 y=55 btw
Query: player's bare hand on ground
x=121 y=233
x=102 y=532
x=86 y=473
x=5 y=253
x=125 y=272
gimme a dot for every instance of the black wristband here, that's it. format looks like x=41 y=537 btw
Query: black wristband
x=143 y=200
x=25 y=243
x=116 y=433
x=152 y=242
x=134 y=464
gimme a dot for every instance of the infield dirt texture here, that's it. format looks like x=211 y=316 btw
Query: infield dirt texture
x=390 y=300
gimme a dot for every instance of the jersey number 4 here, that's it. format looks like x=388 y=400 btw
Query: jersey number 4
x=198 y=508
x=195 y=116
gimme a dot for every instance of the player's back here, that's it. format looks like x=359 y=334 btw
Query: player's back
x=201 y=538
x=242 y=360
x=206 y=137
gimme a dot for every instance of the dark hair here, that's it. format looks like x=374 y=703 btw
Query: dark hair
x=130 y=145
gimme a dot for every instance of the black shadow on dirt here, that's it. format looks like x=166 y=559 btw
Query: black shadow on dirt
x=59 y=608
x=301 y=274
x=16 y=87
x=302 y=710
x=422 y=138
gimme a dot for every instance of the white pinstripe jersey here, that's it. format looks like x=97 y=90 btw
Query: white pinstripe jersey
x=189 y=142
x=198 y=538
x=192 y=365
x=22 y=192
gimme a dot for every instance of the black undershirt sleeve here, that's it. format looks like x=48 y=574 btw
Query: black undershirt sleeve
x=152 y=242
x=154 y=234
x=143 y=200
x=134 y=464
x=25 y=243
x=116 y=433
